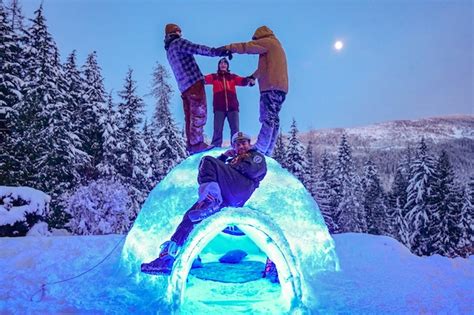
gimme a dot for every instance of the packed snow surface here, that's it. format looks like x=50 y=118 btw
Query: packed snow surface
x=378 y=275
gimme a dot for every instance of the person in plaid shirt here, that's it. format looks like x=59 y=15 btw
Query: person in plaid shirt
x=180 y=53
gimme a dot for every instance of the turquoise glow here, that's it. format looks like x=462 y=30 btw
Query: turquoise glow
x=281 y=218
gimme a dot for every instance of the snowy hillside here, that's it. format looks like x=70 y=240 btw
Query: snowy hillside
x=378 y=275
x=397 y=133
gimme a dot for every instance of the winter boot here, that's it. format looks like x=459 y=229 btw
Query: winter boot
x=163 y=265
x=199 y=147
x=204 y=209
x=271 y=272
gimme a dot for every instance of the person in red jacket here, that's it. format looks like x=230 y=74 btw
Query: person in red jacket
x=225 y=101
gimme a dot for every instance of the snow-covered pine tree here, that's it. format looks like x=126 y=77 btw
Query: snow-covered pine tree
x=32 y=118
x=91 y=115
x=168 y=147
x=295 y=159
x=310 y=176
x=53 y=148
x=130 y=149
x=325 y=194
x=74 y=90
x=280 y=150
x=419 y=194
x=109 y=162
x=16 y=17
x=373 y=200
x=10 y=97
x=466 y=244
x=396 y=213
x=446 y=229
x=350 y=211
x=10 y=68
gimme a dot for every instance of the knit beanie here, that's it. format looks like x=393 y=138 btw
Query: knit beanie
x=171 y=28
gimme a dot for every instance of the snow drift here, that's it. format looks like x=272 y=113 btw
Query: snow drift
x=281 y=218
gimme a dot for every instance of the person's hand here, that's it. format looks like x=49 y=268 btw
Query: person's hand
x=224 y=52
x=230 y=153
x=251 y=80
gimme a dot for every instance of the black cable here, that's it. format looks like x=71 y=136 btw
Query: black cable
x=43 y=286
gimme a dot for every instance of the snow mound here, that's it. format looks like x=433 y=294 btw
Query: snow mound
x=281 y=218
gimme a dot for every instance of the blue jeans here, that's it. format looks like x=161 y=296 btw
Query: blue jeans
x=270 y=106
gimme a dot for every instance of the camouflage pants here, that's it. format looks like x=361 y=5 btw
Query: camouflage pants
x=270 y=106
x=195 y=113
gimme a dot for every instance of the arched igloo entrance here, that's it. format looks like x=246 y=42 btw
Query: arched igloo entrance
x=281 y=217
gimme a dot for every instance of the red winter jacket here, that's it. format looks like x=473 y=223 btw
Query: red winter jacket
x=223 y=87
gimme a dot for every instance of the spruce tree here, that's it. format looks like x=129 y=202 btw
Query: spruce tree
x=10 y=68
x=51 y=147
x=350 y=212
x=168 y=147
x=325 y=194
x=10 y=98
x=396 y=213
x=446 y=229
x=419 y=194
x=280 y=151
x=74 y=90
x=296 y=161
x=109 y=162
x=132 y=169
x=466 y=244
x=91 y=115
x=373 y=203
x=39 y=91
x=310 y=174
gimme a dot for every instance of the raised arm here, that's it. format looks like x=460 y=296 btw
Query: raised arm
x=253 y=47
x=188 y=47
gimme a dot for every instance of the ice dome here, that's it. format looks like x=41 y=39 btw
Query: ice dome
x=281 y=218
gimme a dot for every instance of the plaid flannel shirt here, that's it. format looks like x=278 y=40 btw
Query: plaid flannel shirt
x=180 y=56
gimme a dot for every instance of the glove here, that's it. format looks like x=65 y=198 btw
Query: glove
x=251 y=80
x=224 y=52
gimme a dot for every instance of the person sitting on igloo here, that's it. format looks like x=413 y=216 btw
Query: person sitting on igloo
x=228 y=180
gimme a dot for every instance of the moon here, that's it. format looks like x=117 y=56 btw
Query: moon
x=338 y=45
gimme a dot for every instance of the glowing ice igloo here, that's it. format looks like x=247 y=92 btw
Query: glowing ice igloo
x=281 y=218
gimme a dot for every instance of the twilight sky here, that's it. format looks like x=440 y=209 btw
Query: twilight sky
x=402 y=59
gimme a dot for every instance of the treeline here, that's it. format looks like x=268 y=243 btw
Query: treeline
x=65 y=132
x=98 y=159
x=426 y=207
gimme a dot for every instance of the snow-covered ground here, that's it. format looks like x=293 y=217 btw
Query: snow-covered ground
x=378 y=275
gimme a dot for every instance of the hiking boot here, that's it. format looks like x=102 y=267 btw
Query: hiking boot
x=161 y=266
x=204 y=209
x=271 y=272
x=164 y=263
x=199 y=147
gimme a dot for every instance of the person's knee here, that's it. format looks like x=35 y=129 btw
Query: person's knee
x=208 y=160
x=207 y=165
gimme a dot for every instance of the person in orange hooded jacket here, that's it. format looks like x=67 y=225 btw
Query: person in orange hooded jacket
x=225 y=102
x=272 y=76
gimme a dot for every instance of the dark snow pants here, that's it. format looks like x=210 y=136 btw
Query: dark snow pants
x=236 y=189
x=219 y=118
